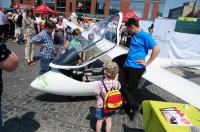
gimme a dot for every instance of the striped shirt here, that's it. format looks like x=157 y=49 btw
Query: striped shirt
x=2 y=18
x=110 y=83
x=45 y=39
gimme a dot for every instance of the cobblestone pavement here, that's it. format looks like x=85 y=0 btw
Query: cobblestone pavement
x=26 y=109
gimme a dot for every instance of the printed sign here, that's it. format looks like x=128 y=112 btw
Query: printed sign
x=175 y=116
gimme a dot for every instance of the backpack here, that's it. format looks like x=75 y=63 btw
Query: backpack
x=112 y=100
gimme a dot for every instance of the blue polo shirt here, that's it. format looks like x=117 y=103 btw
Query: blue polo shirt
x=140 y=43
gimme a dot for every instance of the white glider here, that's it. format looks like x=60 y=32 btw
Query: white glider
x=77 y=72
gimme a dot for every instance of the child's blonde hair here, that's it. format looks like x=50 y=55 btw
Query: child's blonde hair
x=111 y=70
x=76 y=32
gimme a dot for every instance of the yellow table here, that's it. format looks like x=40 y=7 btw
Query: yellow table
x=154 y=121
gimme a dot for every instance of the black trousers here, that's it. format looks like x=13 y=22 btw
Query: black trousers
x=6 y=32
x=129 y=79
x=11 y=29
x=2 y=29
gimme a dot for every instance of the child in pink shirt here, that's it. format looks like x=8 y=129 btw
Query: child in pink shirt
x=111 y=70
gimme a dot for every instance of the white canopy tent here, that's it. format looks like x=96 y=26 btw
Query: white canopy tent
x=173 y=44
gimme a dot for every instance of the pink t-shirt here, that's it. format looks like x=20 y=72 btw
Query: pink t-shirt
x=100 y=89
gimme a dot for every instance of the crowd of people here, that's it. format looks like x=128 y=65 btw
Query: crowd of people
x=53 y=36
x=21 y=26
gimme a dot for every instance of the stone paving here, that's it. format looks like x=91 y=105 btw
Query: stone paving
x=28 y=110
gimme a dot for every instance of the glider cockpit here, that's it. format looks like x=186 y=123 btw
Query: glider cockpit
x=94 y=43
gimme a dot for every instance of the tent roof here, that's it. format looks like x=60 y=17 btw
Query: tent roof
x=130 y=14
x=10 y=9
x=43 y=8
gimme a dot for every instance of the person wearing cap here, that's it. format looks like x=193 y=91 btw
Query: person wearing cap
x=111 y=70
x=135 y=63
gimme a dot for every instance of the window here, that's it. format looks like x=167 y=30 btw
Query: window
x=161 y=9
x=150 y=10
x=138 y=7
x=100 y=5
x=61 y=5
x=50 y=3
x=114 y=6
x=83 y=6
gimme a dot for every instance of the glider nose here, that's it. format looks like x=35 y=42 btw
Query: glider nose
x=42 y=82
x=35 y=84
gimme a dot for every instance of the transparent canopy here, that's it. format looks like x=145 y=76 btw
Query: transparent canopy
x=97 y=40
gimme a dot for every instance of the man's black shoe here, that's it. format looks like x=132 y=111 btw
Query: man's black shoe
x=135 y=106
x=131 y=114
x=126 y=108
x=141 y=110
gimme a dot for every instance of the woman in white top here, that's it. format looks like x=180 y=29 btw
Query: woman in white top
x=29 y=32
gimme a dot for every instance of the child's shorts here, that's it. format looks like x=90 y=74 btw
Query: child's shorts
x=101 y=115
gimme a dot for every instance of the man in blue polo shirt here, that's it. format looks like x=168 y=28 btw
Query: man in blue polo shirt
x=135 y=63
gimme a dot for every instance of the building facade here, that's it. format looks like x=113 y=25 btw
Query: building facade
x=146 y=9
x=188 y=9
x=5 y=3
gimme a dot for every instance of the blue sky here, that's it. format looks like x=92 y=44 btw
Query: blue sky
x=175 y=3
